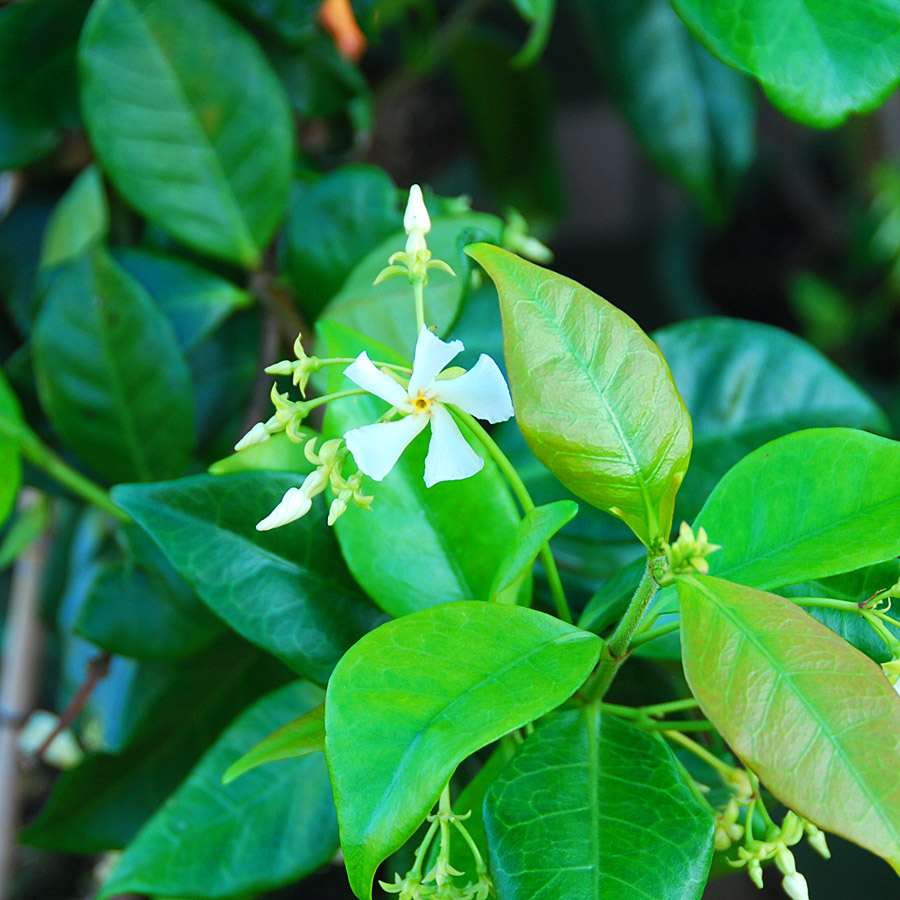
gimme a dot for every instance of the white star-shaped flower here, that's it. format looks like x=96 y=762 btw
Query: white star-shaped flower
x=481 y=392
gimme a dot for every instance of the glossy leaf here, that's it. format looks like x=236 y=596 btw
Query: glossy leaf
x=10 y=459
x=593 y=394
x=592 y=807
x=385 y=311
x=808 y=505
x=80 y=220
x=535 y=529
x=273 y=827
x=332 y=224
x=285 y=590
x=693 y=116
x=299 y=738
x=745 y=383
x=434 y=544
x=195 y=300
x=110 y=375
x=200 y=143
x=799 y=706
x=817 y=61
x=418 y=695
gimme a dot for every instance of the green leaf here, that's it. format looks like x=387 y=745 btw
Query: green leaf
x=38 y=77
x=592 y=807
x=278 y=454
x=799 y=706
x=110 y=375
x=817 y=61
x=27 y=525
x=195 y=300
x=593 y=394
x=611 y=600
x=745 y=383
x=10 y=459
x=285 y=590
x=535 y=529
x=200 y=143
x=332 y=224
x=540 y=14
x=290 y=20
x=428 y=550
x=210 y=841
x=80 y=220
x=692 y=115
x=808 y=505
x=385 y=311
x=418 y=695
x=299 y=738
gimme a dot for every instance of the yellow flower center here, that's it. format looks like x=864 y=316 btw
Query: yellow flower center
x=421 y=403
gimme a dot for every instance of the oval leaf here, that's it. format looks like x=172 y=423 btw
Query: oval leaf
x=10 y=460
x=80 y=220
x=800 y=706
x=418 y=695
x=201 y=143
x=592 y=807
x=593 y=394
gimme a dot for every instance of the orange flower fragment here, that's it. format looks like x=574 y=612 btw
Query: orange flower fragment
x=336 y=17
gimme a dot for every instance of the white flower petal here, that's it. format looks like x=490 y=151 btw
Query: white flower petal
x=432 y=355
x=362 y=372
x=416 y=217
x=450 y=457
x=377 y=447
x=481 y=392
x=293 y=505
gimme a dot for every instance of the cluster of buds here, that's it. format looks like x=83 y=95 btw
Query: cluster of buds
x=728 y=828
x=517 y=239
x=299 y=369
x=688 y=553
x=297 y=502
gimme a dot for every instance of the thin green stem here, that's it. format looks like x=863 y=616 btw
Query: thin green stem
x=419 y=296
x=879 y=628
x=677 y=725
x=702 y=753
x=347 y=360
x=527 y=504
x=40 y=455
x=757 y=794
x=662 y=709
x=327 y=398
x=652 y=634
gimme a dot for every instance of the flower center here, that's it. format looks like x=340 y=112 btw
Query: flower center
x=421 y=403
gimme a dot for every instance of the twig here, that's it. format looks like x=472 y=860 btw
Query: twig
x=18 y=683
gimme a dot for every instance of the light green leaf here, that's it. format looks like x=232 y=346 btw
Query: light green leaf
x=799 y=706
x=418 y=695
x=278 y=454
x=109 y=373
x=535 y=529
x=592 y=807
x=80 y=220
x=10 y=459
x=817 y=60
x=285 y=590
x=593 y=394
x=211 y=841
x=26 y=527
x=299 y=738
x=200 y=143
x=808 y=505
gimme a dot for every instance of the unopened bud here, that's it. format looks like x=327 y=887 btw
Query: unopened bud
x=416 y=217
x=817 y=841
x=795 y=886
x=256 y=435
x=754 y=870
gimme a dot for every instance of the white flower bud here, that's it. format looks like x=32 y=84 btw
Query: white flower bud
x=819 y=844
x=256 y=435
x=795 y=886
x=416 y=217
x=336 y=510
x=294 y=505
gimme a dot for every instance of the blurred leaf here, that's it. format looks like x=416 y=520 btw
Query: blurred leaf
x=285 y=590
x=302 y=737
x=278 y=454
x=797 y=704
x=289 y=20
x=623 y=452
x=429 y=549
x=606 y=804
x=827 y=315
x=25 y=527
x=808 y=505
x=816 y=61
x=745 y=383
x=414 y=698
x=694 y=116
x=110 y=375
x=21 y=234
x=540 y=14
x=385 y=311
x=80 y=220
x=509 y=123
x=332 y=224
x=195 y=300
x=202 y=144
x=38 y=77
x=209 y=841
x=10 y=459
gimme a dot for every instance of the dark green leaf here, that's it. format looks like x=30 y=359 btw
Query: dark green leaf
x=799 y=706
x=110 y=375
x=693 y=115
x=592 y=807
x=80 y=220
x=816 y=60
x=332 y=224
x=210 y=841
x=10 y=459
x=201 y=143
x=418 y=695
x=611 y=601
x=299 y=738
x=25 y=527
x=593 y=394
x=290 y=20
x=285 y=590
